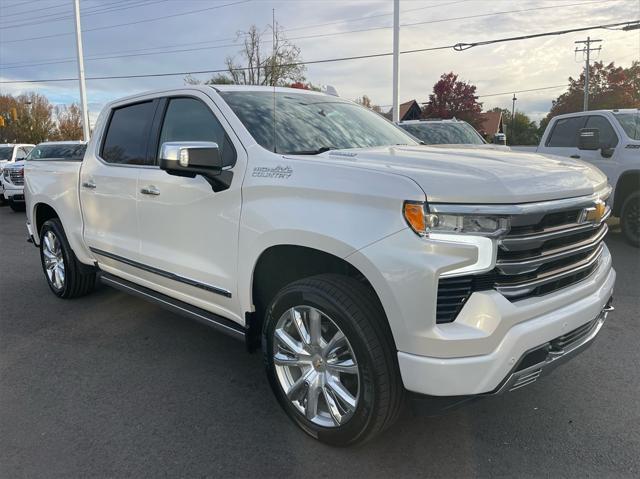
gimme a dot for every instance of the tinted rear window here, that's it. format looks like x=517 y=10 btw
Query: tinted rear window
x=58 y=152
x=127 y=134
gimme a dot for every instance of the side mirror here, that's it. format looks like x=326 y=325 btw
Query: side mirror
x=191 y=158
x=589 y=139
x=499 y=139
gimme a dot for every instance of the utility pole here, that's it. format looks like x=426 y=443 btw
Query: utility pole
x=396 y=61
x=83 y=86
x=587 y=50
x=513 y=118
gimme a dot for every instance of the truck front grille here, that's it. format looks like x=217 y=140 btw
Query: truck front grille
x=16 y=176
x=542 y=253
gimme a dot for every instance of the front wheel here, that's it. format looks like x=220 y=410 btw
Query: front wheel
x=331 y=360
x=630 y=219
x=66 y=276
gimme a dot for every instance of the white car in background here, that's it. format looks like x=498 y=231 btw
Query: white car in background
x=12 y=177
x=437 y=132
x=10 y=153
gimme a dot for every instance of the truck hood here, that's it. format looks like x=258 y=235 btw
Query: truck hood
x=479 y=175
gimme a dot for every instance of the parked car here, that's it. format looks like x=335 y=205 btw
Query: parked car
x=59 y=150
x=12 y=185
x=12 y=180
x=610 y=140
x=362 y=263
x=447 y=132
x=10 y=153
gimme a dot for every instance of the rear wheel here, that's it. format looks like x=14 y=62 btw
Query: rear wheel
x=66 y=276
x=630 y=219
x=3 y=200
x=331 y=360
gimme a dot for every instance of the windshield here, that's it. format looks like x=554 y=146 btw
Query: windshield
x=5 y=153
x=433 y=133
x=311 y=124
x=58 y=152
x=630 y=123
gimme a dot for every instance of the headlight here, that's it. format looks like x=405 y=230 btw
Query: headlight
x=423 y=222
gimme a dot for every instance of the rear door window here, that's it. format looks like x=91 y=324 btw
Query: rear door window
x=125 y=142
x=565 y=132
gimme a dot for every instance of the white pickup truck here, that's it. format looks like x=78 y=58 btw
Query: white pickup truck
x=363 y=264
x=609 y=139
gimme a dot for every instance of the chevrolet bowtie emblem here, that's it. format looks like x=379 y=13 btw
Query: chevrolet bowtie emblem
x=593 y=214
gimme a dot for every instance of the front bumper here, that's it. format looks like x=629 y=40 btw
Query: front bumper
x=13 y=193
x=524 y=354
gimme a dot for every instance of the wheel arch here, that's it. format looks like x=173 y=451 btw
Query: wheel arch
x=628 y=182
x=280 y=264
x=42 y=212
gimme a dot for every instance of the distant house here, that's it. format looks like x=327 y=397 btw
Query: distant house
x=409 y=110
x=491 y=124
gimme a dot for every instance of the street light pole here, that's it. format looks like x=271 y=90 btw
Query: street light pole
x=396 y=61
x=81 y=79
x=513 y=118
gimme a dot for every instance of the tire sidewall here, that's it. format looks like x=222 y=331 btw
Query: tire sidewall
x=55 y=226
x=357 y=425
x=628 y=235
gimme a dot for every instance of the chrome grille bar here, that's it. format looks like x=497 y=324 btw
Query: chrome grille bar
x=511 y=289
x=534 y=241
x=529 y=265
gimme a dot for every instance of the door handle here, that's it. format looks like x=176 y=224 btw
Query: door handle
x=150 y=190
x=89 y=184
x=576 y=157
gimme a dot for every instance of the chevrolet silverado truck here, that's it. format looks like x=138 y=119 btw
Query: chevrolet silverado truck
x=610 y=140
x=363 y=264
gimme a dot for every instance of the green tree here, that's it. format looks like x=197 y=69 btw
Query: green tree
x=609 y=87
x=523 y=131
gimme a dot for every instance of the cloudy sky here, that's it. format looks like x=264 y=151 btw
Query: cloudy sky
x=132 y=37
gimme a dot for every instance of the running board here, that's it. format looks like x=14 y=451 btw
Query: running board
x=219 y=323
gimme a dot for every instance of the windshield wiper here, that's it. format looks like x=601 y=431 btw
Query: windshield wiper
x=312 y=152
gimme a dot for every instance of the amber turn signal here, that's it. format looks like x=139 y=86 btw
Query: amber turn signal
x=414 y=214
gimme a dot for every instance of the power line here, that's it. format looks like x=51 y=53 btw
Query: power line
x=69 y=60
x=523 y=91
x=96 y=11
x=137 y=22
x=456 y=47
x=60 y=5
x=20 y=3
x=442 y=20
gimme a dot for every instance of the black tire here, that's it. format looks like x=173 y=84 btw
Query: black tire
x=355 y=309
x=17 y=207
x=79 y=279
x=630 y=219
x=3 y=200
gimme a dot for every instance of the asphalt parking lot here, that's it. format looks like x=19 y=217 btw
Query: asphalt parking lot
x=111 y=386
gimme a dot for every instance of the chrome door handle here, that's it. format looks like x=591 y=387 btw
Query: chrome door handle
x=150 y=190
x=89 y=184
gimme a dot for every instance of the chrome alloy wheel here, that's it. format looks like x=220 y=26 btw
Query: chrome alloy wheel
x=53 y=259
x=316 y=366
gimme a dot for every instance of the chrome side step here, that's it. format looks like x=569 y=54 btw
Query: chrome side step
x=219 y=323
